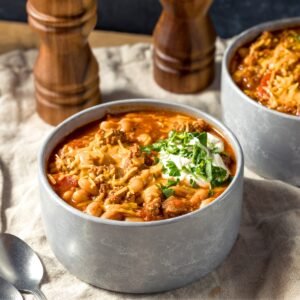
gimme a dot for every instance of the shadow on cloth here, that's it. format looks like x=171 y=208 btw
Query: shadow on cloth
x=121 y=94
x=5 y=194
x=264 y=260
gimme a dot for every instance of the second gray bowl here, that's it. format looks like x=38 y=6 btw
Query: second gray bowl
x=270 y=139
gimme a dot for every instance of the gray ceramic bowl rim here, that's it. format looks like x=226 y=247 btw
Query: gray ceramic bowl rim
x=246 y=37
x=54 y=197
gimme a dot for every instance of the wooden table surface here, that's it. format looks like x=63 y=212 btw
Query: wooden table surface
x=20 y=36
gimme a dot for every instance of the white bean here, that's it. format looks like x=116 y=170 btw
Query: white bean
x=88 y=185
x=94 y=209
x=199 y=196
x=67 y=196
x=136 y=184
x=145 y=139
x=80 y=196
x=126 y=125
x=112 y=215
x=107 y=125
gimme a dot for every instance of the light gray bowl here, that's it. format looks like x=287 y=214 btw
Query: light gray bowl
x=140 y=257
x=270 y=139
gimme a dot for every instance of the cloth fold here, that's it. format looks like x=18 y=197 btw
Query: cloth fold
x=264 y=262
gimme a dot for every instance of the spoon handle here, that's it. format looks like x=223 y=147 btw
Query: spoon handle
x=38 y=294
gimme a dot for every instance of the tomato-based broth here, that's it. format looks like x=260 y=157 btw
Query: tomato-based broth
x=268 y=70
x=142 y=166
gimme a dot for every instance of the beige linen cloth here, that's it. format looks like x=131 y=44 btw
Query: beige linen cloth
x=265 y=260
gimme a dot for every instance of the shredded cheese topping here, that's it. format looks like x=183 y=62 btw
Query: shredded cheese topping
x=269 y=70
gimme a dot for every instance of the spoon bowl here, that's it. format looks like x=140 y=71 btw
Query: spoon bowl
x=8 y=291
x=20 y=265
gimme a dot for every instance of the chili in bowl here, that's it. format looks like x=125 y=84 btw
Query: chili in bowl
x=260 y=97
x=141 y=189
x=268 y=70
x=142 y=166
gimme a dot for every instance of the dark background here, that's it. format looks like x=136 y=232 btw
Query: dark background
x=139 y=16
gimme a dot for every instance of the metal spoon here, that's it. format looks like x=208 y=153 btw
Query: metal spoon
x=20 y=265
x=8 y=291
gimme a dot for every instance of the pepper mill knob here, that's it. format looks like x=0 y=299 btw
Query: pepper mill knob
x=66 y=71
x=184 y=46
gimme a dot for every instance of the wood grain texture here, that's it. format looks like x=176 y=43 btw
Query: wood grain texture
x=66 y=71
x=184 y=46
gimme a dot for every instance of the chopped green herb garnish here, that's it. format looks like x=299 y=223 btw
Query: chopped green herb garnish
x=146 y=149
x=193 y=183
x=219 y=175
x=192 y=154
x=158 y=145
x=172 y=182
x=211 y=193
x=172 y=169
x=215 y=150
x=167 y=192
x=203 y=138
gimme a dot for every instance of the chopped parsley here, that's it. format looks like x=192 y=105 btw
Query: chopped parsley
x=147 y=149
x=193 y=183
x=219 y=175
x=191 y=155
x=167 y=192
x=171 y=169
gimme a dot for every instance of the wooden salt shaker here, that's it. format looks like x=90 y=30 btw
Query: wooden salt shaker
x=66 y=72
x=184 y=46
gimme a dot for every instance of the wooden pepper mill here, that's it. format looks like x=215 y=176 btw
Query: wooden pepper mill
x=66 y=72
x=184 y=46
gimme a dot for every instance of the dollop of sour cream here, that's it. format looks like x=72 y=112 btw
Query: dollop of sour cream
x=213 y=142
